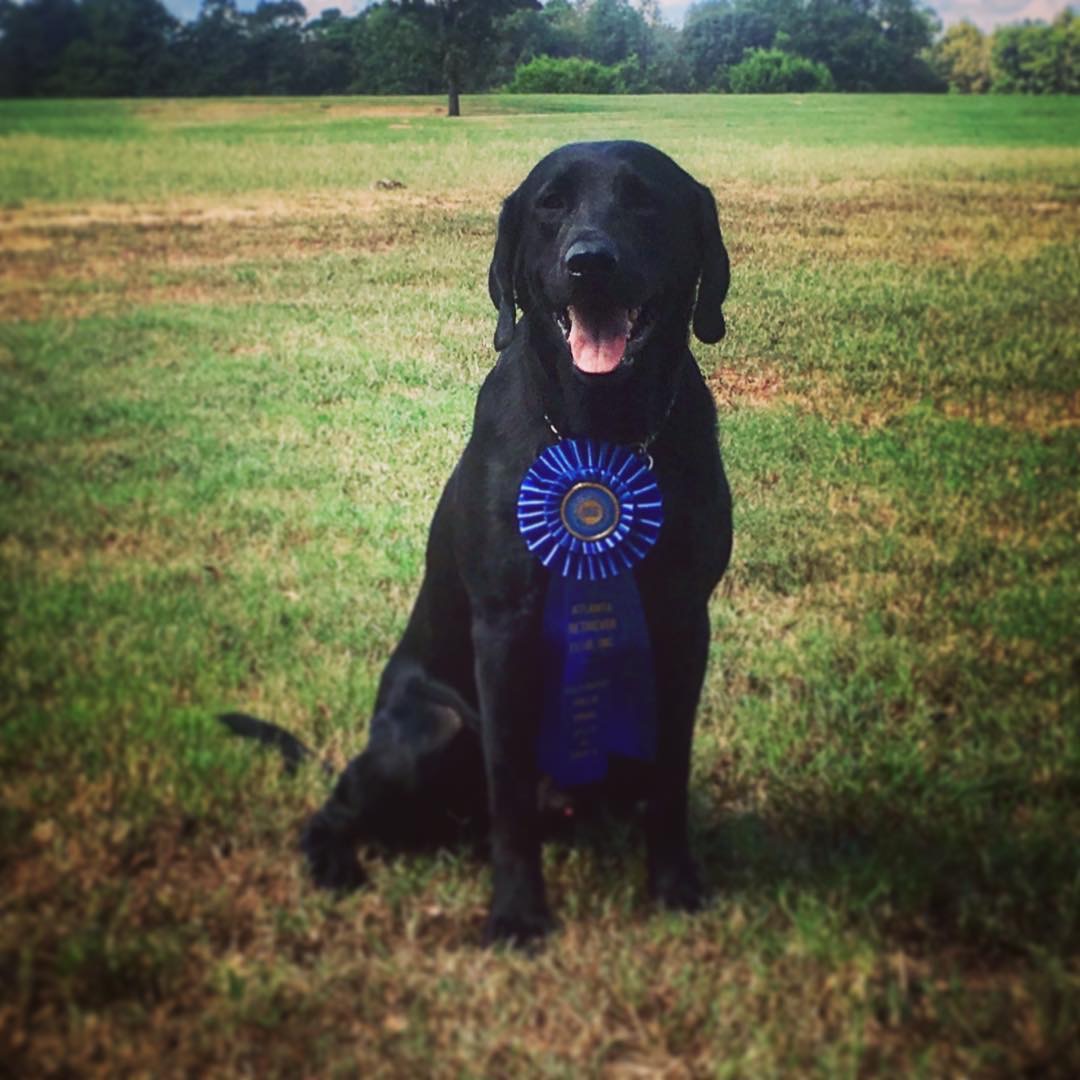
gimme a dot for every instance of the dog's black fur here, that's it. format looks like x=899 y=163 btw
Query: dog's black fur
x=597 y=233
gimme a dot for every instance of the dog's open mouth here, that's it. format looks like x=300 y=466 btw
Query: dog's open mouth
x=600 y=336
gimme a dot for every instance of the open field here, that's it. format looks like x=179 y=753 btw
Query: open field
x=233 y=373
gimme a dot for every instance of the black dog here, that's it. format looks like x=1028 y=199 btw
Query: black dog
x=609 y=249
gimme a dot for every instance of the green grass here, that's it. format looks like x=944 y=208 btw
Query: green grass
x=62 y=151
x=233 y=376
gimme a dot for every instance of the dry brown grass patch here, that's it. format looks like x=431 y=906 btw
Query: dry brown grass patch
x=189 y=113
x=908 y=224
x=1043 y=413
x=76 y=260
x=734 y=387
x=211 y=953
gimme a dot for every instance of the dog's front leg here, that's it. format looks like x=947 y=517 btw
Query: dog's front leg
x=680 y=654
x=509 y=683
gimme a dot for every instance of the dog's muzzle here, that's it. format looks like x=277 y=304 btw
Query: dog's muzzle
x=598 y=328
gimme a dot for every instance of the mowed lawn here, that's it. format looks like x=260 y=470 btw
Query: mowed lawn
x=236 y=364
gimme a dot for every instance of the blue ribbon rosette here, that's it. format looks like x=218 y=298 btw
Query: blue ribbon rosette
x=590 y=512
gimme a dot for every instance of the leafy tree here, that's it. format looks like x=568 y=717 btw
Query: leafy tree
x=329 y=51
x=658 y=65
x=265 y=51
x=273 y=52
x=33 y=38
x=718 y=32
x=1037 y=59
x=1066 y=27
x=135 y=47
x=564 y=75
x=525 y=34
x=630 y=37
x=464 y=31
x=124 y=51
x=396 y=52
x=962 y=58
x=613 y=31
x=773 y=71
x=212 y=48
x=867 y=44
x=669 y=70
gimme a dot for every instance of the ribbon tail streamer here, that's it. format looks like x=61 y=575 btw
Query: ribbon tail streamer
x=600 y=695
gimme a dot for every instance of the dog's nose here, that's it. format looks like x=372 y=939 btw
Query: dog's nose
x=590 y=258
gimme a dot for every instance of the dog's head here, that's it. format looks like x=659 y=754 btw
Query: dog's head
x=609 y=247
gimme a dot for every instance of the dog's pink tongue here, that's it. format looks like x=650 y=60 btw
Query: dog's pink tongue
x=598 y=341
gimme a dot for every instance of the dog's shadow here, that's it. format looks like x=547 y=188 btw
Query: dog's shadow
x=971 y=878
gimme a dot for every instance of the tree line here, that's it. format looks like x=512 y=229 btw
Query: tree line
x=1031 y=58
x=133 y=48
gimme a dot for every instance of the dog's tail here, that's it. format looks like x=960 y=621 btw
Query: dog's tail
x=293 y=752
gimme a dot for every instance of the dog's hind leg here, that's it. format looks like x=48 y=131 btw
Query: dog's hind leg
x=419 y=778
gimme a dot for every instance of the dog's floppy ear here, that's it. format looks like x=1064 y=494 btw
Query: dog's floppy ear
x=715 y=273
x=501 y=271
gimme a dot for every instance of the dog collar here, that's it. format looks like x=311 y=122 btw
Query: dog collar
x=642 y=447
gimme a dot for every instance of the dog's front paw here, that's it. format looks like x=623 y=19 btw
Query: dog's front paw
x=677 y=886
x=525 y=929
x=332 y=864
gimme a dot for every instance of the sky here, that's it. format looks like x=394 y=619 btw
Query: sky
x=986 y=14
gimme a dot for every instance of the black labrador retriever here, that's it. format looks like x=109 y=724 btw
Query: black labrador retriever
x=610 y=251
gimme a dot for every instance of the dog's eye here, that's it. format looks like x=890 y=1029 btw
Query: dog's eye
x=639 y=199
x=552 y=200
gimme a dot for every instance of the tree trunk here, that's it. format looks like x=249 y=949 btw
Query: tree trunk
x=453 y=81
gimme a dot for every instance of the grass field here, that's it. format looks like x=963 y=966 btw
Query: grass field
x=233 y=374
